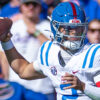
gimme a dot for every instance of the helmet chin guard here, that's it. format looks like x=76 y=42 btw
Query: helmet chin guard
x=72 y=45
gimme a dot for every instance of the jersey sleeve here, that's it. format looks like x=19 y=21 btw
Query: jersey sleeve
x=44 y=53
x=93 y=90
x=42 y=58
x=93 y=56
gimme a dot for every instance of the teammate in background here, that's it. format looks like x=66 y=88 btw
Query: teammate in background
x=93 y=33
x=64 y=58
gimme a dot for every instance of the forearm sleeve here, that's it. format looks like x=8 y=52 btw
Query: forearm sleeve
x=92 y=91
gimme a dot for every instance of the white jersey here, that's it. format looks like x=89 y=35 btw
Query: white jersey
x=85 y=65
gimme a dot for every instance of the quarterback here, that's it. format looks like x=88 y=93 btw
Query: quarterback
x=73 y=67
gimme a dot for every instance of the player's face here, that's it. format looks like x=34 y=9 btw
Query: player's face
x=73 y=33
x=30 y=10
x=93 y=33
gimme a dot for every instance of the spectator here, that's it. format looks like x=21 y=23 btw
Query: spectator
x=93 y=33
x=75 y=1
x=26 y=36
x=45 y=6
x=10 y=9
x=45 y=24
x=98 y=10
x=3 y=2
x=91 y=8
x=44 y=11
x=98 y=1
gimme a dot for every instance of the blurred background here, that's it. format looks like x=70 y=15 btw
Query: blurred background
x=30 y=29
x=9 y=8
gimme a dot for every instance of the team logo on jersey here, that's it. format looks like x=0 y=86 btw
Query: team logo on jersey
x=54 y=70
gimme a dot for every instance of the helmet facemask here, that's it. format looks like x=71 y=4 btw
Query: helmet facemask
x=70 y=36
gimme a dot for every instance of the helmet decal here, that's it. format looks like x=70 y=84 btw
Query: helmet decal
x=74 y=10
x=74 y=21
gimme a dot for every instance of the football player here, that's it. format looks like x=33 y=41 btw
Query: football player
x=72 y=66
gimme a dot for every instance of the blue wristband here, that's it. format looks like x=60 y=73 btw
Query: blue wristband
x=7 y=45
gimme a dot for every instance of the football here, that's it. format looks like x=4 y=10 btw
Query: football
x=5 y=25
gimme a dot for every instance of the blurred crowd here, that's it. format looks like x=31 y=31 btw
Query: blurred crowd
x=9 y=8
x=30 y=29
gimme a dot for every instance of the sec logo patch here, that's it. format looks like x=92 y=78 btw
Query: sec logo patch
x=54 y=70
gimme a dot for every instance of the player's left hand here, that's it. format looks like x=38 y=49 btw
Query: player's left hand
x=73 y=81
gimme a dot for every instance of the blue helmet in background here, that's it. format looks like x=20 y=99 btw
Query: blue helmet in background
x=68 y=15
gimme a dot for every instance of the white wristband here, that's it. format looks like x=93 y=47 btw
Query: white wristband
x=7 y=45
x=36 y=67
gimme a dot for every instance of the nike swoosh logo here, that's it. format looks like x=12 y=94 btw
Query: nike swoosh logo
x=74 y=72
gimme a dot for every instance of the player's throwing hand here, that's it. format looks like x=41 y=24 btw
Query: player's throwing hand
x=5 y=25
